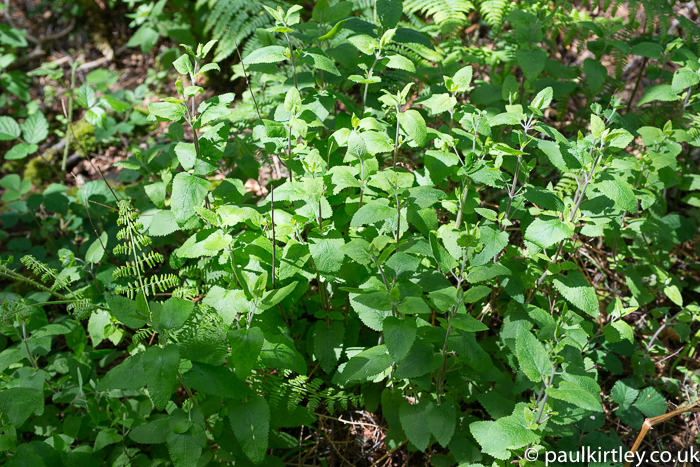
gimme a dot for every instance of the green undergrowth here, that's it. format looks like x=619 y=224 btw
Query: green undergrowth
x=488 y=246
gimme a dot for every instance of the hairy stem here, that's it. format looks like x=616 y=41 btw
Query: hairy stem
x=581 y=194
x=396 y=140
x=291 y=55
x=369 y=75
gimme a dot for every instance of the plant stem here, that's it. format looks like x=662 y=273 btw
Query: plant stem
x=73 y=67
x=636 y=84
x=272 y=221
x=369 y=75
x=289 y=154
x=580 y=194
x=544 y=400
x=451 y=314
x=193 y=115
x=458 y=222
x=291 y=55
x=398 y=221
x=386 y=282
x=685 y=104
x=4 y=271
x=396 y=140
x=194 y=401
x=362 y=177
x=245 y=75
x=26 y=345
x=511 y=193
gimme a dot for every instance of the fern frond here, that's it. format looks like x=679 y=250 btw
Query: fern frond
x=567 y=185
x=43 y=271
x=443 y=12
x=238 y=17
x=61 y=280
x=12 y=310
x=132 y=268
x=188 y=293
x=141 y=335
x=493 y=11
x=82 y=308
x=152 y=284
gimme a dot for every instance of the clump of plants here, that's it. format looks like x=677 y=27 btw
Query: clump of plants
x=489 y=249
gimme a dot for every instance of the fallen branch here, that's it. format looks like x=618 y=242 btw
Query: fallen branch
x=650 y=422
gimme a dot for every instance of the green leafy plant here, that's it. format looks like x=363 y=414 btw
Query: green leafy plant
x=491 y=255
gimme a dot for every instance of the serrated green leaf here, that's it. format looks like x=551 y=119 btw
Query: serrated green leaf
x=372 y=212
x=328 y=343
x=544 y=198
x=651 y=403
x=125 y=311
x=494 y=241
x=85 y=96
x=366 y=365
x=364 y=43
x=623 y=394
x=399 y=335
x=618 y=331
x=532 y=356
x=648 y=50
x=467 y=323
x=620 y=192
x=19 y=403
x=35 y=128
x=279 y=352
x=476 y=293
x=439 y=103
x=321 y=12
x=9 y=128
x=168 y=111
x=542 y=99
x=389 y=12
x=174 y=314
x=662 y=92
x=162 y=365
x=163 y=223
x=421 y=360
x=545 y=233
x=189 y=192
x=574 y=394
x=154 y=432
x=246 y=345
x=442 y=420
x=399 y=62
x=441 y=255
x=577 y=291
x=596 y=74
x=216 y=380
x=321 y=60
x=496 y=438
x=597 y=126
x=96 y=251
x=413 y=124
x=463 y=78
x=250 y=422
x=531 y=62
x=129 y=374
x=413 y=422
x=183 y=65
x=105 y=437
x=269 y=54
x=186 y=437
x=683 y=79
